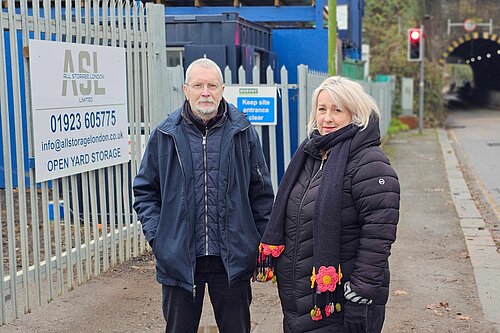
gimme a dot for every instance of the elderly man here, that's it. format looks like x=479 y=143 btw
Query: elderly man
x=203 y=195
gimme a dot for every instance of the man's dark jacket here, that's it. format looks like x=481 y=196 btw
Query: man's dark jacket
x=164 y=191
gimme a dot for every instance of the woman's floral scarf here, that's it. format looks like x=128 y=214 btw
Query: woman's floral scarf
x=326 y=272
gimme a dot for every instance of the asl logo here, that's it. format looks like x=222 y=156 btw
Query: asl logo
x=87 y=72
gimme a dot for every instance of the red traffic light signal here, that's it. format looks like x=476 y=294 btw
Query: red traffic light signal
x=414 y=44
x=415 y=34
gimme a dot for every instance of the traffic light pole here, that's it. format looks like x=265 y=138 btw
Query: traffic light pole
x=421 y=84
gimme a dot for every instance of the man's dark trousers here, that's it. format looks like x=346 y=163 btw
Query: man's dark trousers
x=231 y=305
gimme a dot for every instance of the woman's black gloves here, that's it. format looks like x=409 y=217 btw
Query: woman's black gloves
x=355 y=317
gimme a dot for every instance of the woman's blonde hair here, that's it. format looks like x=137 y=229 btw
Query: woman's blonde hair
x=346 y=95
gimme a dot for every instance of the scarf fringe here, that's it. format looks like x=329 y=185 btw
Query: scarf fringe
x=266 y=261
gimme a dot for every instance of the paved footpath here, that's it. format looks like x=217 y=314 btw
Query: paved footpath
x=439 y=283
x=445 y=275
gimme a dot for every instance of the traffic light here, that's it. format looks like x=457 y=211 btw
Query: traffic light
x=414 y=44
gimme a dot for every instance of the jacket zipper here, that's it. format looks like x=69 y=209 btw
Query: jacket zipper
x=205 y=175
x=297 y=229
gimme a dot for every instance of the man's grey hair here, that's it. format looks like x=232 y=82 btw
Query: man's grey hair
x=206 y=63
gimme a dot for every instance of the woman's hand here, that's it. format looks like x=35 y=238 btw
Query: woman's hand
x=355 y=317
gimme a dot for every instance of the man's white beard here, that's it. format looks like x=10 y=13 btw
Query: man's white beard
x=207 y=111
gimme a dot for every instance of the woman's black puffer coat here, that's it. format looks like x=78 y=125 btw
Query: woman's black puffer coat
x=370 y=212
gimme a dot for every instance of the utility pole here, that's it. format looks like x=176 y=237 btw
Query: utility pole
x=332 y=37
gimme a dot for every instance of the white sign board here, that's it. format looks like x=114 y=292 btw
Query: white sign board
x=258 y=103
x=342 y=17
x=407 y=95
x=79 y=102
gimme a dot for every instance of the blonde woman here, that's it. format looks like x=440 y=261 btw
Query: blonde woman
x=334 y=218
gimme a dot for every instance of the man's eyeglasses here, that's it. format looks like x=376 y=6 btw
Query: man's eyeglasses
x=200 y=86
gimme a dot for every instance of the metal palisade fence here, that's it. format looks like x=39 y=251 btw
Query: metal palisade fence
x=272 y=142
x=58 y=233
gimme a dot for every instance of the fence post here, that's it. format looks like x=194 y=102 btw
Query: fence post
x=242 y=78
x=286 y=116
x=302 y=85
x=273 y=157
x=158 y=61
x=256 y=75
x=227 y=75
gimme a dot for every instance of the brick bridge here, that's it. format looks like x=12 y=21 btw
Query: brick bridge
x=467 y=32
